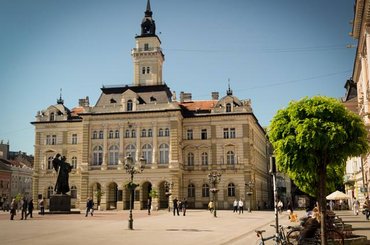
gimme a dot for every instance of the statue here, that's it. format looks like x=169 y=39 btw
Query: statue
x=63 y=168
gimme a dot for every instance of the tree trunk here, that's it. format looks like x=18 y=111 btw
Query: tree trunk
x=322 y=198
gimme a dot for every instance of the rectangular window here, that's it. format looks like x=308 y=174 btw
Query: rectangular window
x=48 y=140
x=146 y=46
x=74 y=139
x=229 y=133
x=143 y=70
x=226 y=133
x=204 y=134
x=54 y=140
x=232 y=133
x=189 y=134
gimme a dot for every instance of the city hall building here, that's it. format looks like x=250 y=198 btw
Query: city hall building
x=179 y=141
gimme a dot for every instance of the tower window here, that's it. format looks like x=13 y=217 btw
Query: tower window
x=143 y=70
x=148 y=70
x=146 y=46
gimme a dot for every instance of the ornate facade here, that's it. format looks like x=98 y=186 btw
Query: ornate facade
x=358 y=100
x=182 y=141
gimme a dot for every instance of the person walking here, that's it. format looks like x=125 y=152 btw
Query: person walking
x=241 y=206
x=30 y=208
x=175 y=206
x=367 y=208
x=42 y=207
x=235 y=206
x=356 y=206
x=280 y=206
x=210 y=206
x=89 y=207
x=13 y=209
x=149 y=205
x=184 y=206
x=24 y=208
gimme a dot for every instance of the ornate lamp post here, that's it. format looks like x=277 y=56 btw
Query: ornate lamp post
x=168 y=188
x=250 y=184
x=131 y=169
x=214 y=178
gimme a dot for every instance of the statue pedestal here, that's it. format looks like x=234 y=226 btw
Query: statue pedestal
x=60 y=203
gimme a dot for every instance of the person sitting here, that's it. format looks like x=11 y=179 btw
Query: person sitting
x=310 y=226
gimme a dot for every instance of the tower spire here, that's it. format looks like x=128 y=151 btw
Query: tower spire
x=229 y=91
x=60 y=100
x=148 y=24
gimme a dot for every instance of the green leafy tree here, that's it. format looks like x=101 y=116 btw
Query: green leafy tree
x=312 y=139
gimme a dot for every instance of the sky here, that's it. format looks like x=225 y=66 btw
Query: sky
x=271 y=52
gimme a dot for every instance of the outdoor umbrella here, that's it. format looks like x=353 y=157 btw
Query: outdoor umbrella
x=337 y=195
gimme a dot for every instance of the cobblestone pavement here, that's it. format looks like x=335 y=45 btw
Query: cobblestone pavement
x=111 y=227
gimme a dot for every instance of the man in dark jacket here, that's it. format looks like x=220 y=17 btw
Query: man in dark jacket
x=24 y=208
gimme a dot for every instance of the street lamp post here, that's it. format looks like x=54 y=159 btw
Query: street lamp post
x=250 y=184
x=131 y=169
x=214 y=178
x=168 y=188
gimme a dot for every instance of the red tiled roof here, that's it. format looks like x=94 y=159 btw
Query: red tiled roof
x=199 y=105
x=75 y=111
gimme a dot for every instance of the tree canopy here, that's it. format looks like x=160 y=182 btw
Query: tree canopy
x=312 y=139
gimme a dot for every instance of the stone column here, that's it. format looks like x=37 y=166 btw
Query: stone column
x=155 y=147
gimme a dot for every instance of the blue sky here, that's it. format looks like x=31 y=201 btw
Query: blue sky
x=272 y=52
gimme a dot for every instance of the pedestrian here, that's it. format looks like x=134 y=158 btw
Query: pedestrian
x=356 y=206
x=42 y=207
x=184 y=206
x=24 y=208
x=331 y=205
x=235 y=206
x=289 y=209
x=149 y=205
x=30 y=208
x=175 y=207
x=366 y=207
x=210 y=207
x=280 y=206
x=89 y=206
x=241 y=206
x=13 y=209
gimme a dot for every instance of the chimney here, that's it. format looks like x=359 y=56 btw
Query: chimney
x=215 y=95
x=185 y=97
x=84 y=102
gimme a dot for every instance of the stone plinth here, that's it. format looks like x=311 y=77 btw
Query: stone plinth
x=60 y=203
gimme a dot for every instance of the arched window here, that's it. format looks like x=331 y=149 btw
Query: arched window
x=127 y=135
x=167 y=132
x=52 y=116
x=101 y=134
x=116 y=134
x=113 y=155
x=110 y=134
x=74 y=162
x=228 y=107
x=129 y=105
x=191 y=190
x=50 y=162
x=205 y=190
x=97 y=155
x=204 y=158
x=131 y=151
x=160 y=132
x=143 y=132
x=163 y=154
x=147 y=153
x=95 y=135
x=150 y=133
x=190 y=159
x=133 y=133
x=231 y=190
x=230 y=157
x=73 y=191
x=50 y=191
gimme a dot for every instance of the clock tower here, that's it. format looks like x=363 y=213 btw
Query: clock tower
x=147 y=55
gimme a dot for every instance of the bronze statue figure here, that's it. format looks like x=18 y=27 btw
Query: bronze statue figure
x=63 y=168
